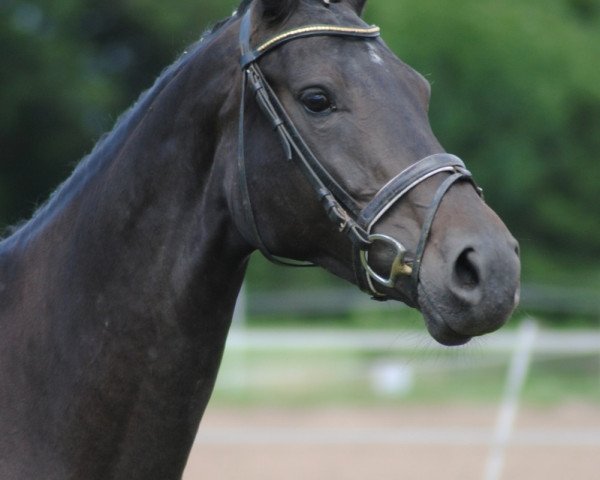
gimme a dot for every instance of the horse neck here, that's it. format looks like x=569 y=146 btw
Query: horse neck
x=146 y=220
x=130 y=276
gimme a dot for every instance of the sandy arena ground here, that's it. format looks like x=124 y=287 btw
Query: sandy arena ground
x=409 y=443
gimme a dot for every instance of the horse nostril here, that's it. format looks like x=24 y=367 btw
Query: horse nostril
x=466 y=273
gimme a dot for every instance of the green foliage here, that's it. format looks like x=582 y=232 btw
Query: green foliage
x=516 y=93
x=68 y=69
x=321 y=377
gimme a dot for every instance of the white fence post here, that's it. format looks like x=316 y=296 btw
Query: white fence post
x=519 y=366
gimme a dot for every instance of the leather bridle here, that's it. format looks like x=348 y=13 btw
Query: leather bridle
x=355 y=222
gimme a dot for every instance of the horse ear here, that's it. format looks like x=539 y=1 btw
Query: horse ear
x=275 y=11
x=358 y=5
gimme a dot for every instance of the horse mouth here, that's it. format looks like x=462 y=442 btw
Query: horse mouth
x=444 y=334
x=437 y=327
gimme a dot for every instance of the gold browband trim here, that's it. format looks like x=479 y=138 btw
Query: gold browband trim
x=317 y=29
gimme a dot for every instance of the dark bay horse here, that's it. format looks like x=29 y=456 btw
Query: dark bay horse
x=291 y=128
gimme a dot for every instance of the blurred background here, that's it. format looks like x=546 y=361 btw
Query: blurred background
x=331 y=382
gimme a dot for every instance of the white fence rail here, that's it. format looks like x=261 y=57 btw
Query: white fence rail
x=547 y=341
x=324 y=301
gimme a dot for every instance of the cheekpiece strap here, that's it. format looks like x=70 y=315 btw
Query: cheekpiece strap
x=339 y=205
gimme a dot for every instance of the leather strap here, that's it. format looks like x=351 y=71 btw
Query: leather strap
x=427 y=224
x=405 y=181
x=335 y=200
x=292 y=140
x=396 y=189
x=245 y=194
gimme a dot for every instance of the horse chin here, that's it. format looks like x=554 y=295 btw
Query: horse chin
x=436 y=324
x=440 y=329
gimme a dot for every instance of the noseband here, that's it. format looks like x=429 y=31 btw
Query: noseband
x=356 y=222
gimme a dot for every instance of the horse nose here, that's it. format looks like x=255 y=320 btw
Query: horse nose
x=466 y=277
x=484 y=280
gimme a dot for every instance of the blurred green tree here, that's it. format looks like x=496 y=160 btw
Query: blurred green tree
x=67 y=69
x=516 y=93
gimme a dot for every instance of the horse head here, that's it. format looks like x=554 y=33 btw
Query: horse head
x=338 y=166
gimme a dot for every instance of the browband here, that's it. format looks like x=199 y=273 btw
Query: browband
x=250 y=55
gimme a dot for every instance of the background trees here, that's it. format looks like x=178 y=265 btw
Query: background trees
x=516 y=93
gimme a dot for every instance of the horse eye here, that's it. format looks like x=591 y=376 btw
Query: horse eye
x=317 y=101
